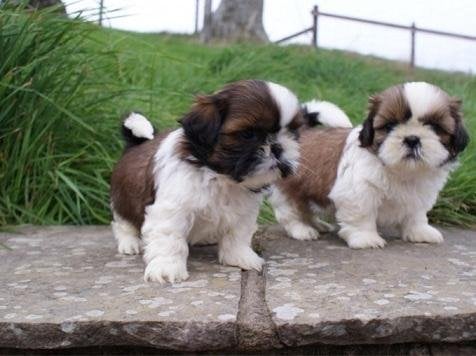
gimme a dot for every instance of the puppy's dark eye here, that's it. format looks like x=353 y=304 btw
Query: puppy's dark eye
x=248 y=135
x=389 y=126
x=294 y=132
x=437 y=128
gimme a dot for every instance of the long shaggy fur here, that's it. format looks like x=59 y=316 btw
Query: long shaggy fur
x=386 y=173
x=204 y=182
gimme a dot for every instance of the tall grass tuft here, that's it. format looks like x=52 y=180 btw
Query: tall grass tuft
x=54 y=143
x=63 y=84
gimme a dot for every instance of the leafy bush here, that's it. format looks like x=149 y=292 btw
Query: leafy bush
x=55 y=143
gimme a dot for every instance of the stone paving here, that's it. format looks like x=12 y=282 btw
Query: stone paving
x=322 y=291
x=65 y=287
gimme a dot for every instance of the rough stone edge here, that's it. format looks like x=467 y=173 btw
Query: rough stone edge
x=180 y=336
x=255 y=327
x=409 y=329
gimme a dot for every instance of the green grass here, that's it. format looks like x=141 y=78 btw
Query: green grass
x=64 y=84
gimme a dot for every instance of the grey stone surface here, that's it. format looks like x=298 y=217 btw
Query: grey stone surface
x=323 y=292
x=67 y=286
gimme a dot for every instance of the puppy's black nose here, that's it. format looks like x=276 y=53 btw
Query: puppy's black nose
x=412 y=141
x=276 y=150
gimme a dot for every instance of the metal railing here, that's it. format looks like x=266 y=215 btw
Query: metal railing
x=413 y=30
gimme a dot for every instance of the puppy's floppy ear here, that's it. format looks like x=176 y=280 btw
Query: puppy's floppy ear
x=202 y=124
x=460 y=138
x=366 y=135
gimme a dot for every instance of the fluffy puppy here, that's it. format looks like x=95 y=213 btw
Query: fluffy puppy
x=386 y=173
x=203 y=182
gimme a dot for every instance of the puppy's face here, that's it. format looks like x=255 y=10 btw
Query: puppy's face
x=246 y=131
x=414 y=125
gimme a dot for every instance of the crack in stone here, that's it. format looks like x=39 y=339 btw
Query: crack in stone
x=255 y=328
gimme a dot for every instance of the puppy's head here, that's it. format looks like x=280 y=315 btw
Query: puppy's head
x=246 y=131
x=414 y=125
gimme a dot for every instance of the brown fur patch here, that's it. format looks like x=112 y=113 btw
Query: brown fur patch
x=321 y=150
x=297 y=123
x=132 y=181
x=250 y=105
x=225 y=130
x=389 y=108
x=442 y=123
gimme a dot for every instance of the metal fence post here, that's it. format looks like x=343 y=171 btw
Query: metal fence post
x=197 y=4
x=412 y=51
x=101 y=11
x=315 y=14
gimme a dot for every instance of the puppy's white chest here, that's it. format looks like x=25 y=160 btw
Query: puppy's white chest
x=393 y=210
x=220 y=212
x=401 y=199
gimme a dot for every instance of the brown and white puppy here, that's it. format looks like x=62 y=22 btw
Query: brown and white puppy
x=386 y=173
x=203 y=182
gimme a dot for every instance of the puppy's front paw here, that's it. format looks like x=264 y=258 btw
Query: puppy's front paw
x=365 y=239
x=165 y=269
x=302 y=232
x=242 y=257
x=423 y=233
x=129 y=246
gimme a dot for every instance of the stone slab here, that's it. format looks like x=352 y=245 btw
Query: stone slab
x=323 y=292
x=66 y=286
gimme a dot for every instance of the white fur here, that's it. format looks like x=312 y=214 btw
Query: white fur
x=388 y=190
x=421 y=96
x=289 y=217
x=385 y=190
x=196 y=205
x=329 y=114
x=127 y=236
x=288 y=108
x=367 y=195
x=290 y=148
x=287 y=102
x=139 y=125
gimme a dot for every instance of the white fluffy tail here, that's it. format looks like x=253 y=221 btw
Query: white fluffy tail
x=136 y=129
x=325 y=113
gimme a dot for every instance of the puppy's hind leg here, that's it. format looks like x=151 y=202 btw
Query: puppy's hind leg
x=126 y=235
x=290 y=218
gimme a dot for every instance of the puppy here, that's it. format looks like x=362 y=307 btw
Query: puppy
x=386 y=173
x=203 y=182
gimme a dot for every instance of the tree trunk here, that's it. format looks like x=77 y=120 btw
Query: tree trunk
x=206 y=33
x=236 y=20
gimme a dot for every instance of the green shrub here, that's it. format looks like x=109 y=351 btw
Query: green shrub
x=55 y=142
